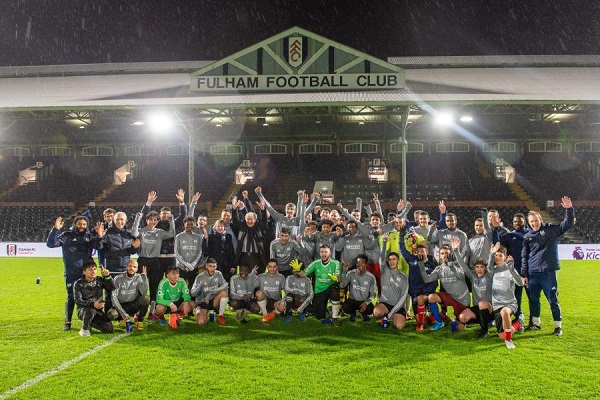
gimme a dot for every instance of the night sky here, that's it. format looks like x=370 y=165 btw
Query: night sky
x=48 y=32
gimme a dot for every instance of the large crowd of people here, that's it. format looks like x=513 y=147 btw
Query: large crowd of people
x=311 y=260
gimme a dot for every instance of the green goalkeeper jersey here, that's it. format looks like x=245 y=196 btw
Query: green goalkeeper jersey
x=168 y=293
x=323 y=280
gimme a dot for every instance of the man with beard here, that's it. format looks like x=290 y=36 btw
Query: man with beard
x=129 y=297
x=77 y=245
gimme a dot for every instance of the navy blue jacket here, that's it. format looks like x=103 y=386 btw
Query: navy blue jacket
x=513 y=241
x=540 y=248
x=77 y=248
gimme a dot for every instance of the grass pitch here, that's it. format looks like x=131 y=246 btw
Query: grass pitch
x=303 y=360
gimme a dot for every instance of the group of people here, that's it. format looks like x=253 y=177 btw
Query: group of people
x=311 y=259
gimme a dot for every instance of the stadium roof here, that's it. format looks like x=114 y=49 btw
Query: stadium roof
x=534 y=89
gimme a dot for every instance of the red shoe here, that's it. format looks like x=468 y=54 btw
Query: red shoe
x=268 y=317
x=221 y=320
x=174 y=321
x=419 y=328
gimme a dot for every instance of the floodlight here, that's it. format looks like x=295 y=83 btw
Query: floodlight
x=466 y=118
x=444 y=118
x=160 y=122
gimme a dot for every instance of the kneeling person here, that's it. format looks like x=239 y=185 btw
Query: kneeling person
x=87 y=292
x=268 y=287
x=394 y=289
x=298 y=292
x=362 y=289
x=241 y=293
x=173 y=296
x=327 y=273
x=211 y=292
x=129 y=297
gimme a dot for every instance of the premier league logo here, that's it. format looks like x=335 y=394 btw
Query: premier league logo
x=578 y=253
x=11 y=250
x=294 y=51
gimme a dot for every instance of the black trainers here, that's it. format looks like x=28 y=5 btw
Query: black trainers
x=534 y=327
x=67 y=326
x=557 y=331
x=483 y=334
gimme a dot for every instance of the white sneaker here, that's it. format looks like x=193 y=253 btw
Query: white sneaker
x=509 y=344
x=84 y=332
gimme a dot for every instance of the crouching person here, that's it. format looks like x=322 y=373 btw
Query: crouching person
x=173 y=296
x=129 y=298
x=241 y=293
x=87 y=292
x=298 y=292
x=211 y=292
x=268 y=288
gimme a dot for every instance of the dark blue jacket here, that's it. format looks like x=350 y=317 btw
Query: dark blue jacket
x=416 y=286
x=540 y=248
x=513 y=241
x=117 y=248
x=77 y=248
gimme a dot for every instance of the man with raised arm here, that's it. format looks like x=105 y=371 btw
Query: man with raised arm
x=540 y=263
x=151 y=239
x=77 y=245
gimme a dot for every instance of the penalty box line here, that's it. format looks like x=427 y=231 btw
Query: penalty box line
x=61 y=367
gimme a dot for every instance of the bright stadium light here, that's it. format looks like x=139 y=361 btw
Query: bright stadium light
x=160 y=122
x=444 y=118
x=466 y=118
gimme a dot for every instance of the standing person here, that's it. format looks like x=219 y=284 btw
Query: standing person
x=129 y=297
x=284 y=250
x=361 y=285
x=188 y=252
x=540 y=263
x=118 y=245
x=513 y=241
x=211 y=292
x=327 y=273
x=220 y=247
x=394 y=289
x=167 y=248
x=443 y=236
x=291 y=220
x=77 y=245
x=324 y=236
x=107 y=219
x=87 y=292
x=252 y=231
x=497 y=230
x=151 y=239
x=354 y=243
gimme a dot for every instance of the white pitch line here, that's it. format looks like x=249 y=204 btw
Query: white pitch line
x=61 y=367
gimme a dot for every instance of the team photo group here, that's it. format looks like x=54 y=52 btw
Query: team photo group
x=313 y=260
